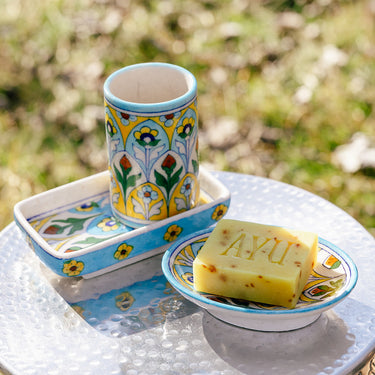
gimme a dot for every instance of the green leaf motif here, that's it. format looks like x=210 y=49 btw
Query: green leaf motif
x=123 y=177
x=337 y=284
x=335 y=265
x=169 y=182
x=161 y=180
x=133 y=179
x=324 y=287
x=151 y=143
x=74 y=248
x=93 y=240
x=75 y=224
x=119 y=176
x=175 y=178
x=195 y=166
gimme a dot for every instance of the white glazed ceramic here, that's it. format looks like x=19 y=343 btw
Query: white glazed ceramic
x=333 y=278
x=72 y=229
x=152 y=138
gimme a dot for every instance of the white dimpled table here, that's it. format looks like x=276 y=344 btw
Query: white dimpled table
x=55 y=325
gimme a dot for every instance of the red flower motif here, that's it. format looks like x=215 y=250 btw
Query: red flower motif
x=125 y=163
x=52 y=229
x=169 y=162
x=125 y=115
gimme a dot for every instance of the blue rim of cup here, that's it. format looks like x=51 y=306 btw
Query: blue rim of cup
x=151 y=108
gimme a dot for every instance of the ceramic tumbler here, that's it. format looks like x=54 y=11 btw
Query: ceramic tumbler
x=152 y=139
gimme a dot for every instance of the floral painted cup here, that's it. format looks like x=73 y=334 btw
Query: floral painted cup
x=152 y=139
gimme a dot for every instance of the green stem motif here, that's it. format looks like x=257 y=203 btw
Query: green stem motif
x=171 y=179
x=123 y=177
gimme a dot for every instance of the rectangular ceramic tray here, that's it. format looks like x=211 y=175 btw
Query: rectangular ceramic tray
x=72 y=230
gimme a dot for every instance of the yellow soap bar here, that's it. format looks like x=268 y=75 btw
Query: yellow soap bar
x=255 y=262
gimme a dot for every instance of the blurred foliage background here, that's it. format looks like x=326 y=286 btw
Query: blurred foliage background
x=282 y=86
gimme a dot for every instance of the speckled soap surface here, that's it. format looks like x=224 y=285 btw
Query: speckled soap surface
x=69 y=326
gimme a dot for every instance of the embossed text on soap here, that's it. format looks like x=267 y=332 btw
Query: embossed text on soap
x=247 y=246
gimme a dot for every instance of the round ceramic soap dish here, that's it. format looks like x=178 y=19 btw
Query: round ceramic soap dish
x=332 y=279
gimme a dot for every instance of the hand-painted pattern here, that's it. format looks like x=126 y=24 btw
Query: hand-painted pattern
x=78 y=227
x=153 y=163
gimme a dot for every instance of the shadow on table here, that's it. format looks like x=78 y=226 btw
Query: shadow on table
x=312 y=348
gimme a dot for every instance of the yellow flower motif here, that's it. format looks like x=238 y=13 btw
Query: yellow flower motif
x=186 y=128
x=145 y=133
x=172 y=233
x=123 y=251
x=110 y=128
x=219 y=212
x=73 y=268
x=108 y=224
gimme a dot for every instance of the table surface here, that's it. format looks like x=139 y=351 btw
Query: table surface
x=42 y=334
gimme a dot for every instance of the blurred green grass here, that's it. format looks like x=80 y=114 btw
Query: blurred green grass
x=281 y=85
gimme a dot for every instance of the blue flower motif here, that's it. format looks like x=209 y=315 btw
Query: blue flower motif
x=147 y=194
x=186 y=187
x=125 y=118
x=168 y=119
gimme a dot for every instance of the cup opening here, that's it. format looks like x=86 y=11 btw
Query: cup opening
x=151 y=84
